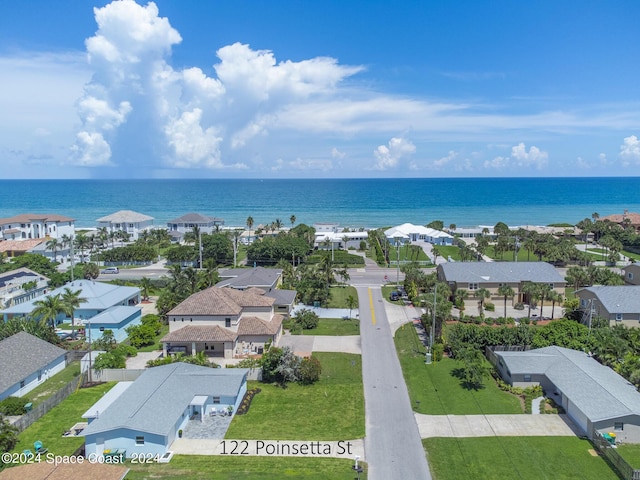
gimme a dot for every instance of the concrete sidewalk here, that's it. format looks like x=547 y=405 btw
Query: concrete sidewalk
x=306 y=344
x=495 y=426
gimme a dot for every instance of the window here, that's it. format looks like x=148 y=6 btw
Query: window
x=527 y=378
x=473 y=286
x=22 y=384
x=618 y=317
x=227 y=322
x=618 y=426
x=39 y=375
x=139 y=440
x=216 y=400
x=630 y=275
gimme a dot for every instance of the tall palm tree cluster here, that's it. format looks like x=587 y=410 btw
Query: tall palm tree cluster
x=48 y=309
x=184 y=282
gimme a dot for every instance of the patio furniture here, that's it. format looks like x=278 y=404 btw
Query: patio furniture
x=39 y=448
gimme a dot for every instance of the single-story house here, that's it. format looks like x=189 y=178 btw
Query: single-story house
x=595 y=397
x=619 y=304
x=340 y=240
x=35 y=225
x=625 y=219
x=407 y=232
x=145 y=416
x=223 y=322
x=27 y=361
x=245 y=278
x=472 y=276
x=117 y=319
x=98 y=298
x=13 y=283
x=15 y=248
x=186 y=223
x=632 y=274
x=128 y=221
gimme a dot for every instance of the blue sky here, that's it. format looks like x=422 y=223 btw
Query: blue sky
x=297 y=89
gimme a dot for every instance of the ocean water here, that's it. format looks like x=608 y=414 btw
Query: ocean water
x=349 y=202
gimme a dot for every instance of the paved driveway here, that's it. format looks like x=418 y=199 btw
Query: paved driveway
x=494 y=425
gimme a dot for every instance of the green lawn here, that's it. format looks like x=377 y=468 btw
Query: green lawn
x=192 y=467
x=434 y=390
x=524 y=458
x=386 y=291
x=338 y=297
x=49 y=429
x=331 y=409
x=444 y=251
x=635 y=256
x=331 y=326
x=55 y=383
x=631 y=453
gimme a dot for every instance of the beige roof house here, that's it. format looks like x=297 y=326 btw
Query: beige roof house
x=128 y=221
x=223 y=322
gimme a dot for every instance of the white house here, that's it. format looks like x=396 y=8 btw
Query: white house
x=407 y=232
x=21 y=285
x=186 y=223
x=340 y=240
x=128 y=221
x=145 y=416
x=31 y=225
x=27 y=361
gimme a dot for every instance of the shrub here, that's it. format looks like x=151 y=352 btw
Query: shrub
x=519 y=306
x=309 y=371
x=489 y=307
x=488 y=321
x=306 y=319
x=438 y=352
x=246 y=401
x=13 y=405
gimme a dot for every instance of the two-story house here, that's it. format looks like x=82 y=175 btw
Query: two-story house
x=31 y=225
x=223 y=322
x=133 y=223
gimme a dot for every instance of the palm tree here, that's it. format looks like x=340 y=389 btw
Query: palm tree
x=543 y=292
x=507 y=292
x=351 y=304
x=70 y=302
x=481 y=294
x=529 y=289
x=53 y=245
x=292 y=219
x=555 y=297
x=48 y=309
x=461 y=295
x=145 y=287
x=82 y=243
x=249 y=226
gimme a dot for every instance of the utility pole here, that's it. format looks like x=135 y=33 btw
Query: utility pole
x=200 y=249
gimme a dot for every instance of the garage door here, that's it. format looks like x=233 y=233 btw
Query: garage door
x=579 y=418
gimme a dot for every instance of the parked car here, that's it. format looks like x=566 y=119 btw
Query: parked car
x=111 y=270
x=394 y=296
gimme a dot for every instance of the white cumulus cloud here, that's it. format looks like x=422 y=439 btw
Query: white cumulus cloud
x=630 y=150
x=389 y=155
x=520 y=157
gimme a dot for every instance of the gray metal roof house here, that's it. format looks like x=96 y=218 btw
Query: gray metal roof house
x=26 y=362
x=147 y=414
x=595 y=397
x=619 y=304
x=472 y=276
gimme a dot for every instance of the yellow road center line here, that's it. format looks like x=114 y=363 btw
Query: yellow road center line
x=373 y=313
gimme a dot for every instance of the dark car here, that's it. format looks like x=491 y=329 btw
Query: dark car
x=394 y=296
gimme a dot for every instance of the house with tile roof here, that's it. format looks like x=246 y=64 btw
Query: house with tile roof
x=145 y=416
x=472 y=276
x=618 y=304
x=27 y=361
x=133 y=223
x=33 y=225
x=223 y=322
x=595 y=397
x=98 y=298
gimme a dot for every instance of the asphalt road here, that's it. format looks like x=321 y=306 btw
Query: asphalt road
x=393 y=448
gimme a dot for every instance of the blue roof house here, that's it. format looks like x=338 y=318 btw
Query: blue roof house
x=27 y=361
x=145 y=417
x=98 y=298
x=117 y=319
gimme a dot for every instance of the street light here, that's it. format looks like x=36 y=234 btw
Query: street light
x=397 y=240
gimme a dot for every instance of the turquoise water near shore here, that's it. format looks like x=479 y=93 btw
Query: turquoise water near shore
x=350 y=202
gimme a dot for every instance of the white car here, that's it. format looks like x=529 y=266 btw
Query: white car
x=111 y=270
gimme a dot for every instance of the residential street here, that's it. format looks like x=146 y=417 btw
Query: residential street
x=393 y=448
